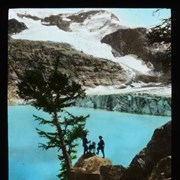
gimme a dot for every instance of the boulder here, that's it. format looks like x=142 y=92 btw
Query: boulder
x=162 y=170
x=90 y=164
x=88 y=168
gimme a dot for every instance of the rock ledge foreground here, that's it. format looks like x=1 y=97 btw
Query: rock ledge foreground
x=151 y=163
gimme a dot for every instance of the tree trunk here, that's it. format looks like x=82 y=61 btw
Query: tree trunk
x=63 y=146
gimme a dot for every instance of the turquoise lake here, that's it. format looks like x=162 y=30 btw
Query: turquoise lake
x=124 y=135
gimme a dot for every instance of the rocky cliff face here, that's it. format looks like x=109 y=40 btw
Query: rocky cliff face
x=154 y=160
x=129 y=102
x=134 y=41
x=152 y=163
x=128 y=41
x=85 y=69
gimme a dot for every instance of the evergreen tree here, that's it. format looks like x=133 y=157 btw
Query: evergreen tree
x=52 y=92
x=161 y=33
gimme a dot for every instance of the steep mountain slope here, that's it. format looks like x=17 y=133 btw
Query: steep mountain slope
x=134 y=41
x=83 y=30
x=87 y=70
x=98 y=50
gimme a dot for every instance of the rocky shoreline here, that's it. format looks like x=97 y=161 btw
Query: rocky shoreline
x=152 y=162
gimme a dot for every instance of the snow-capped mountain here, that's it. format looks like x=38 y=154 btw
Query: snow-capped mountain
x=82 y=30
x=96 y=33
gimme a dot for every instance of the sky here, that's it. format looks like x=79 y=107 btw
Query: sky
x=141 y=17
x=131 y=17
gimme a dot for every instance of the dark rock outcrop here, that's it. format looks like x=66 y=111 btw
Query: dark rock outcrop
x=28 y=16
x=15 y=26
x=153 y=158
x=128 y=41
x=57 y=20
x=81 y=176
x=134 y=41
x=112 y=172
x=162 y=170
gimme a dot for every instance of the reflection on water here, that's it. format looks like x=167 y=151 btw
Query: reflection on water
x=124 y=135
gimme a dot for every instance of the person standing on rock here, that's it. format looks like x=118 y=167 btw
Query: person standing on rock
x=85 y=142
x=101 y=145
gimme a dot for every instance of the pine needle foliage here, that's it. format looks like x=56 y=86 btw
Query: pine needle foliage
x=160 y=36
x=161 y=33
x=52 y=93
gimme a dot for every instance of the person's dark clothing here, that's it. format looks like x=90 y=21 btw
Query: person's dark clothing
x=85 y=142
x=101 y=145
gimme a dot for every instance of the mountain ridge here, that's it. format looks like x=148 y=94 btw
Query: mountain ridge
x=93 y=35
x=108 y=38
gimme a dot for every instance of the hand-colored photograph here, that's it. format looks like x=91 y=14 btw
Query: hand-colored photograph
x=89 y=93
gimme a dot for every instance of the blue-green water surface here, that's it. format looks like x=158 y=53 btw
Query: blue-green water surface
x=124 y=135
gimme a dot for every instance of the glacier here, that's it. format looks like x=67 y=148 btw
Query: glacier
x=140 y=104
